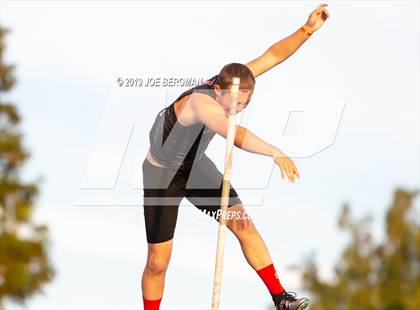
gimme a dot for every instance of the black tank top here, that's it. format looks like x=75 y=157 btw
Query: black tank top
x=174 y=145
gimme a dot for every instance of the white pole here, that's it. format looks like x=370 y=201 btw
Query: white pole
x=217 y=283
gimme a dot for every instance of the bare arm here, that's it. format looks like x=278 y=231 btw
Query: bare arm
x=209 y=112
x=249 y=142
x=283 y=49
x=277 y=53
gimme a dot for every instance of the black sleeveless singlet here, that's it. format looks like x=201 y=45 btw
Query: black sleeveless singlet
x=174 y=145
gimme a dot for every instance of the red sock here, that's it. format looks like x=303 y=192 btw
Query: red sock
x=269 y=275
x=151 y=304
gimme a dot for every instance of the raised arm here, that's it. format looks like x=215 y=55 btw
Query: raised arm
x=283 y=49
x=209 y=112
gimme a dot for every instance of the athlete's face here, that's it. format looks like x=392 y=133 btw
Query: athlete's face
x=223 y=97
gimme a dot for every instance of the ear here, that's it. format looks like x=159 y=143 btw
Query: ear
x=218 y=90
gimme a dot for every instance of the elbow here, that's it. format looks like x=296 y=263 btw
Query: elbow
x=240 y=136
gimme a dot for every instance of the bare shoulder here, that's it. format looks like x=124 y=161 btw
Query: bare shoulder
x=201 y=103
x=208 y=111
x=195 y=108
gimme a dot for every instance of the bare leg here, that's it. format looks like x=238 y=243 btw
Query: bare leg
x=253 y=246
x=153 y=280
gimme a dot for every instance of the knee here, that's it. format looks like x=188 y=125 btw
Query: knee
x=157 y=265
x=241 y=225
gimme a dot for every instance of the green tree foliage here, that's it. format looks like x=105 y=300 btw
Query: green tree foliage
x=371 y=275
x=24 y=262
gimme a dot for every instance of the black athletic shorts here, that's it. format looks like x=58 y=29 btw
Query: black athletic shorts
x=164 y=188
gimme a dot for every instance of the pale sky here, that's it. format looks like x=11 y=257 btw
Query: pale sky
x=355 y=81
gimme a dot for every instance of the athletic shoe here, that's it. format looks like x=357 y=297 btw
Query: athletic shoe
x=288 y=301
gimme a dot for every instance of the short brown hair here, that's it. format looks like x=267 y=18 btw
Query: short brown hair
x=224 y=80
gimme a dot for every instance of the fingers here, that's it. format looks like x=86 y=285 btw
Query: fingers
x=292 y=173
x=321 y=10
x=297 y=172
x=289 y=173
x=325 y=14
x=320 y=6
x=288 y=168
x=282 y=171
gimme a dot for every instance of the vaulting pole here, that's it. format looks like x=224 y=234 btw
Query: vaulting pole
x=217 y=283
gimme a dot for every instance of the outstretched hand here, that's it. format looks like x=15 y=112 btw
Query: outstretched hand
x=317 y=18
x=287 y=167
